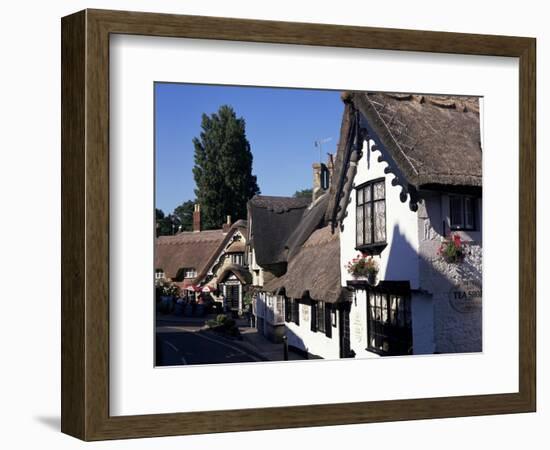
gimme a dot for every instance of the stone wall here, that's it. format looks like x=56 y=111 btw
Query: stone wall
x=455 y=287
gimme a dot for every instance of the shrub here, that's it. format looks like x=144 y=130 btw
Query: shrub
x=224 y=324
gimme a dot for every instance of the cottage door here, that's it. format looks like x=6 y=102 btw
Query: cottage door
x=232 y=293
x=343 y=326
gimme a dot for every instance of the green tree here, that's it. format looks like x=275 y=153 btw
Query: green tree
x=184 y=213
x=166 y=225
x=304 y=193
x=223 y=168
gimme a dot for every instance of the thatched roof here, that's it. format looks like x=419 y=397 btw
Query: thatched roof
x=189 y=249
x=314 y=270
x=433 y=140
x=239 y=225
x=236 y=247
x=272 y=221
x=310 y=221
x=341 y=162
x=242 y=273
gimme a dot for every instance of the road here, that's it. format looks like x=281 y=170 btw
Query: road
x=181 y=347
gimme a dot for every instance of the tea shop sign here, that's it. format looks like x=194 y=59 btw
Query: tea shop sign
x=465 y=298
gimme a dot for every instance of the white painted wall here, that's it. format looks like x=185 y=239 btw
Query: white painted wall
x=358 y=326
x=255 y=269
x=411 y=254
x=314 y=342
x=422 y=319
x=399 y=260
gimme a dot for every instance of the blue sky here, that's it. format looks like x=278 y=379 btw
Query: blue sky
x=281 y=126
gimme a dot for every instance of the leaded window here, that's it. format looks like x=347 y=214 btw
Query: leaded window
x=389 y=323
x=371 y=214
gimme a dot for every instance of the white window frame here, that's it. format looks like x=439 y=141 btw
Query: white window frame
x=189 y=272
x=159 y=274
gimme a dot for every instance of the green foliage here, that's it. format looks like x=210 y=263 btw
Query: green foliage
x=167 y=289
x=220 y=319
x=304 y=193
x=166 y=225
x=247 y=299
x=452 y=249
x=224 y=324
x=223 y=168
x=184 y=213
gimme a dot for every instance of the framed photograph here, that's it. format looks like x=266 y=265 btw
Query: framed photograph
x=272 y=225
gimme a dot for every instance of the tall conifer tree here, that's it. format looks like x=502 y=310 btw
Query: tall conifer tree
x=223 y=168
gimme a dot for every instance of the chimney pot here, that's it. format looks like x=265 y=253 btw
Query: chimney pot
x=227 y=224
x=197 y=218
x=317 y=188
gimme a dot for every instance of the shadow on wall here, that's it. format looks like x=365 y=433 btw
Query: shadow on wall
x=457 y=325
x=296 y=344
x=401 y=257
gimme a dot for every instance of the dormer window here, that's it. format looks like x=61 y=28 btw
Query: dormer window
x=370 y=218
x=462 y=210
x=159 y=274
x=189 y=272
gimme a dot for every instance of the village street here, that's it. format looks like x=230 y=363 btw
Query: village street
x=184 y=341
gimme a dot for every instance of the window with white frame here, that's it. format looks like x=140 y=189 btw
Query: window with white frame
x=237 y=258
x=159 y=274
x=462 y=212
x=189 y=272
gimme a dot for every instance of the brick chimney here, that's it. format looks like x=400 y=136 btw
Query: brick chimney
x=197 y=218
x=322 y=176
x=317 y=191
x=227 y=224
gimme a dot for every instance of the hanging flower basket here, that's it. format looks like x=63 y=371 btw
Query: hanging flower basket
x=452 y=249
x=363 y=267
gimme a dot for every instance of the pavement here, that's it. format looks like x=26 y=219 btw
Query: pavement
x=186 y=340
x=271 y=351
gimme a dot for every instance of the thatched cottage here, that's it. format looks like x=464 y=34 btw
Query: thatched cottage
x=408 y=174
x=271 y=221
x=212 y=261
x=306 y=298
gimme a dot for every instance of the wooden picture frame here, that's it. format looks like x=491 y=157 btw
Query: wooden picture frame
x=85 y=224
